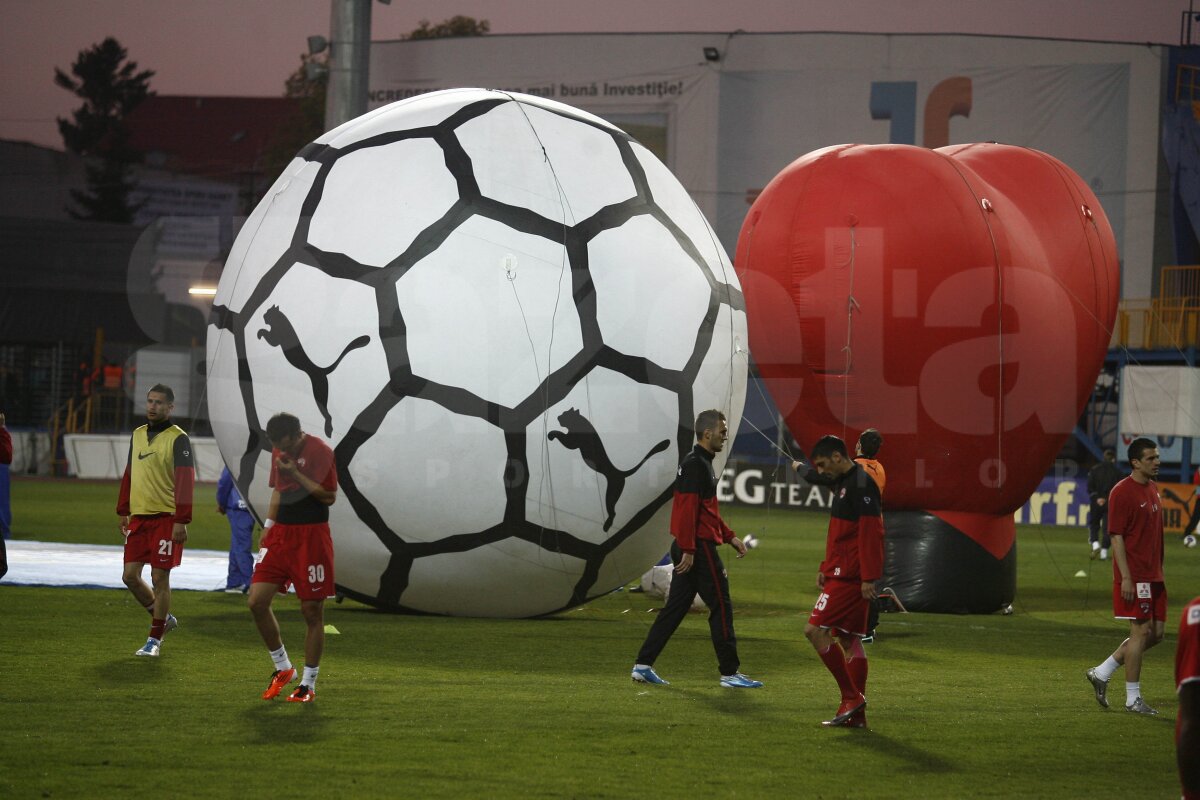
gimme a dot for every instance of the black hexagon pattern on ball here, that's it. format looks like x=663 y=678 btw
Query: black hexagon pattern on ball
x=404 y=383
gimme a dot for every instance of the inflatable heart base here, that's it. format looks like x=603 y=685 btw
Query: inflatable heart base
x=950 y=562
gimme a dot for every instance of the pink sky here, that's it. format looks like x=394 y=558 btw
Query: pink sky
x=248 y=47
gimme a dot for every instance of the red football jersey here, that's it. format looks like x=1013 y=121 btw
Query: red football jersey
x=296 y=505
x=854 y=543
x=1135 y=514
x=695 y=513
x=1187 y=651
x=315 y=460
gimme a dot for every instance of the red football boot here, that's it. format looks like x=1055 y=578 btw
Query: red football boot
x=279 y=679
x=846 y=710
x=303 y=694
x=858 y=719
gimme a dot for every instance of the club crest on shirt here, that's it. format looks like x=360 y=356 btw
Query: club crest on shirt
x=842 y=493
x=301 y=462
x=1193 y=617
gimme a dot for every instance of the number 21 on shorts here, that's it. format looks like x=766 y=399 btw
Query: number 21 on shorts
x=165 y=547
x=316 y=573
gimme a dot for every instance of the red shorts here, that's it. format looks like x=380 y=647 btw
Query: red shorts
x=149 y=542
x=1149 y=601
x=842 y=607
x=300 y=555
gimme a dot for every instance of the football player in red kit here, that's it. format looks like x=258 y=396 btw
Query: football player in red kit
x=155 y=507
x=698 y=530
x=1135 y=525
x=1187 y=683
x=296 y=549
x=853 y=562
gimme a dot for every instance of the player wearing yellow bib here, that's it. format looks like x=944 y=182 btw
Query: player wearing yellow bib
x=155 y=506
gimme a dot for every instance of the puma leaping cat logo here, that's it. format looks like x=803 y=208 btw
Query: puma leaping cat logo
x=280 y=333
x=582 y=436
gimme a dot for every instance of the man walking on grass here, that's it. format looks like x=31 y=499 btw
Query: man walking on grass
x=296 y=549
x=865 y=452
x=1187 y=685
x=846 y=578
x=155 y=506
x=698 y=529
x=1135 y=526
x=1100 y=481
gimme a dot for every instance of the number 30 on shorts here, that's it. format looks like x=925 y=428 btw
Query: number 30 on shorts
x=821 y=601
x=316 y=573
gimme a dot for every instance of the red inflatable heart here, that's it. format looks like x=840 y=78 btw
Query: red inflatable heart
x=960 y=300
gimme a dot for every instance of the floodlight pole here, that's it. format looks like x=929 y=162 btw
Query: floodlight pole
x=349 y=60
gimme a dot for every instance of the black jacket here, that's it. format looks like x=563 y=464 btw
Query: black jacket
x=1102 y=478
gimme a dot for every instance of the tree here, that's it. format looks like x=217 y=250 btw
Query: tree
x=111 y=87
x=307 y=86
x=457 y=25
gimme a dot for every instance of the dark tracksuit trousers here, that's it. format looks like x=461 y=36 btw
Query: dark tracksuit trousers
x=1098 y=524
x=707 y=579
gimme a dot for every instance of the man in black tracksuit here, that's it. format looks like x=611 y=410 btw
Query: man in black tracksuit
x=1101 y=479
x=698 y=529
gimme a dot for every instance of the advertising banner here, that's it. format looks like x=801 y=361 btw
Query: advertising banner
x=1057 y=501
x=777 y=487
x=1065 y=501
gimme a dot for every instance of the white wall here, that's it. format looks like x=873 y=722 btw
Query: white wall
x=1094 y=105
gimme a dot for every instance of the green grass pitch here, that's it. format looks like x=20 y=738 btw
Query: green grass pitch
x=960 y=706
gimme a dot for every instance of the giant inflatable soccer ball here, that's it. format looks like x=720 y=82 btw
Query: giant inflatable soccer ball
x=503 y=314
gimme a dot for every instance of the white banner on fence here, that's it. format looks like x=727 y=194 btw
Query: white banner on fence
x=1164 y=401
x=95 y=455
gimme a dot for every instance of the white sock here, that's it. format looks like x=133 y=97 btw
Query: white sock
x=310 y=676
x=641 y=666
x=1106 y=670
x=281 y=659
x=1132 y=691
x=1095 y=545
x=1103 y=553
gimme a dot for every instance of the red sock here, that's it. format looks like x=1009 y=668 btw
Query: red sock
x=835 y=662
x=156 y=628
x=856 y=661
x=857 y=667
